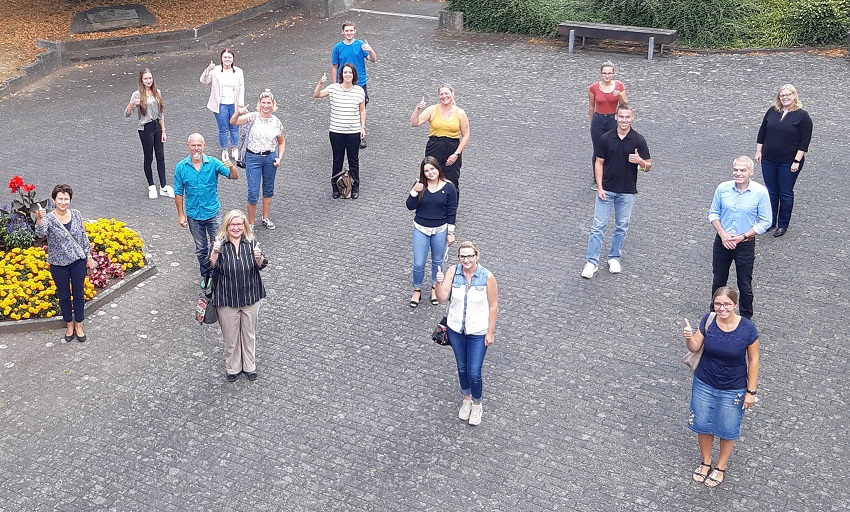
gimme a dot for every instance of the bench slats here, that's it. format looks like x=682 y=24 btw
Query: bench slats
x=618 y=32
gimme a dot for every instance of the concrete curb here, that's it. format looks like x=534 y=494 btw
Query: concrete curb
x=104 y=297
x=60 y=54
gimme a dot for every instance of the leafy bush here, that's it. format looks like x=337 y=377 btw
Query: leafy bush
x=818 y=22
x=701 y=23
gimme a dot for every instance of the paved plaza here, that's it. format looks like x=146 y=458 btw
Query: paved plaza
x=585 y=395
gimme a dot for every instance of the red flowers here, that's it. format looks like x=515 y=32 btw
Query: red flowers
x=17 y=182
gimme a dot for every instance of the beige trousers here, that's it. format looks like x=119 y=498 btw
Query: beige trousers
x=239 y=330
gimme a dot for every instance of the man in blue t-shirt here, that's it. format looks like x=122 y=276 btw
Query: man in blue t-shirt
x=196 y=178
x=352 y=51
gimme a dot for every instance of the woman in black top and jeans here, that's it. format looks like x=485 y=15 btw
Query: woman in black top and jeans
x=781 y=147
x=435 y=200
x=237 y=260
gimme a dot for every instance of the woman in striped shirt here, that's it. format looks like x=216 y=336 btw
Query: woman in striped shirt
x=237 y=290
x=347 y=124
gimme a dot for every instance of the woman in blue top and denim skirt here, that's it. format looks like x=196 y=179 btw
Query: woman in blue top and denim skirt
x=472 y=315
x=69 y=255
x=724 y=383
x=435 y=200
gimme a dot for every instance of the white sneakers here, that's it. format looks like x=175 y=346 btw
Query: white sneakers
x=268 y=223
x=166 y=191
x=152 y=192
x=475 y=414
x=470 y=412
x=234 y=154
x=465 y=409
x=588 y=270
x=225 y=156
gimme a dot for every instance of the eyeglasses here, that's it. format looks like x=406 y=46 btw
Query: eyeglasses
x=466 y=256
x=723 y=305
x=789 y=95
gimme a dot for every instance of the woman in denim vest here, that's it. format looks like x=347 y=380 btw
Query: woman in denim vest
x=472 y=315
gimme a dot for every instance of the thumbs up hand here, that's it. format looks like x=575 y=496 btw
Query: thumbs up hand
x=440 y=275
x=421 y=105
x=687 y=332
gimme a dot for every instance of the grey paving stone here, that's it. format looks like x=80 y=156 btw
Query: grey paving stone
x=355 y=409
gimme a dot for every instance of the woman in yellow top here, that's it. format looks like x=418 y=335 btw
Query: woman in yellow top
x=449 y=133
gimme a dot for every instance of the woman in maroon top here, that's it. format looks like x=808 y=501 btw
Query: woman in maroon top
x=603 y=97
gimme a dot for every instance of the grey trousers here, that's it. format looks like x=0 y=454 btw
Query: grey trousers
x=239 y=330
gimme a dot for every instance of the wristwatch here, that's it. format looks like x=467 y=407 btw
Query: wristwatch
x=751 y=391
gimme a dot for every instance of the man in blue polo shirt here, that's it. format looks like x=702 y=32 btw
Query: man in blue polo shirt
x=619 y=155
x=356 y=52
x=739 y=211
x=196 y=178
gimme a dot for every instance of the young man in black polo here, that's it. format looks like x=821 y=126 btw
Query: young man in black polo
x=619 y=156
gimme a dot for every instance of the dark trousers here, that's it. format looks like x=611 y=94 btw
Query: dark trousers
x=442 y=148
x=744 y=255
x=600 y=124
x=70 y=281
x=151 y=137
x=343 y=144
x=780 y=181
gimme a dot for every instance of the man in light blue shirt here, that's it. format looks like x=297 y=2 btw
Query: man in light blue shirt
x=739 y=211
x=196 y=178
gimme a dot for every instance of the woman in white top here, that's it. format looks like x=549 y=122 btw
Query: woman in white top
x=227 y=92
x=347 y=125
x=266 y=143
x=147 y=103
x=472 y=315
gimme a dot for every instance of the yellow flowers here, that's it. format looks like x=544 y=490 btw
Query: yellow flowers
x=26 y=285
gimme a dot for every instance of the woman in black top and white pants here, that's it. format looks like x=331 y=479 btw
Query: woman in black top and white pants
x=781 y=147
x=238 y=288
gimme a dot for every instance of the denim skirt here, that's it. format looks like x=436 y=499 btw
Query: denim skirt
x=718 y=412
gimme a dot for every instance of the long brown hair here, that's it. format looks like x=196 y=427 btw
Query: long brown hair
x=143 y=95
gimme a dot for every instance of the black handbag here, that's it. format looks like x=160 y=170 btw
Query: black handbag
x=441 y=333
x=205 y=312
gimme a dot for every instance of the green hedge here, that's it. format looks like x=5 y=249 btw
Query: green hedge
x=701 y=23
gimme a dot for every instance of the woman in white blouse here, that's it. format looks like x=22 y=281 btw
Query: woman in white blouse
x=227 y=92
x=266 y=143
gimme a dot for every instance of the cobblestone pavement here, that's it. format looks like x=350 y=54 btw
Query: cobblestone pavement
x=586 y=398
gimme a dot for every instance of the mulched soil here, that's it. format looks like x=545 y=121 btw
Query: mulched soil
x=24 y=21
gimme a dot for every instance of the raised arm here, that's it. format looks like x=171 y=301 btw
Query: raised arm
x=318 y=92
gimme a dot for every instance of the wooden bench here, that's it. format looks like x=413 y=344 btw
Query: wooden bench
x=649 y=35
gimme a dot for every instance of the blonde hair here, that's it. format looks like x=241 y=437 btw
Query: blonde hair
x=267 y=93
x=248 y=234
x=468 y=245
x=797 y=105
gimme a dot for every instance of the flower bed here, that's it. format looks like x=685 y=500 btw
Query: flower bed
x=26 y=286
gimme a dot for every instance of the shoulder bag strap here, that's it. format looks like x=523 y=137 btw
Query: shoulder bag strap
x=710 y=320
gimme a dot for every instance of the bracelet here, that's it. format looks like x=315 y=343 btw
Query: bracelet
x=752 y=392
x=450 y=234
x=796 y=161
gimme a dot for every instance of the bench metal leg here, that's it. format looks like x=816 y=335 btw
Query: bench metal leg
x=651 y=48
x=572 y=40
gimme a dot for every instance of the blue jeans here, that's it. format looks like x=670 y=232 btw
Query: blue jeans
x=421 y=244
x=780 y=181
x=203 y=231
x=70 y=280
x=222 y=119
x=469 y=352
x=257 y=168
x=622 y=205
